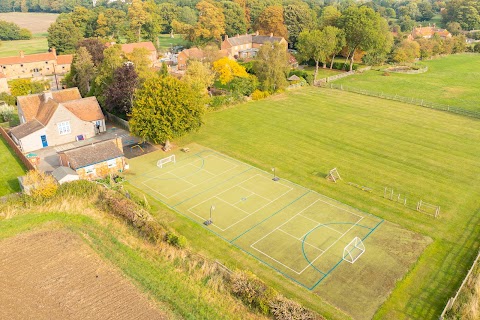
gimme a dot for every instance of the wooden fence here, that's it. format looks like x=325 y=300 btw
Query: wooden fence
x=452 y=300
x=322 y=81
x=15 y=149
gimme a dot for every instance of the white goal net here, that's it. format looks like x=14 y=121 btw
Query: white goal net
x=353 y=250
x=163 y=161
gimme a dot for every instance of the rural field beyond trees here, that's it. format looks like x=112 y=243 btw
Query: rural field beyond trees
x=34 y=21
x=453 y=80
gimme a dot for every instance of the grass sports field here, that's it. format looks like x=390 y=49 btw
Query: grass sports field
x=11 y=169
x=296 y=231
x=421 y=153
x=453 y=80
x=12 y=48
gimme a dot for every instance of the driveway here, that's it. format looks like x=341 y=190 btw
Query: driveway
x=48 y=156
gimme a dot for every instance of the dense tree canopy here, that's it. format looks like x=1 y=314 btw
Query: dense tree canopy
x=165 y=108
x=63 y=35
x=272 y=66
x=11 y=31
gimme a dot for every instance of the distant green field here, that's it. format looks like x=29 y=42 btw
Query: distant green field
x=453 y=80
x=11 y=169
x=166 y=42
x=422 y=154
x=12 y=48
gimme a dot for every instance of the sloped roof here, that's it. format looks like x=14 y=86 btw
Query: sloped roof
x=430 y=31
x=65 y=59
x=239 y=40
x=26 y=129
x=194 y=53
x=61 y=172
x=86 y=109
x=28 y=58
x=93 y=153
x=30 y=104
x=128 y=48
x=263 y=39
x=293 y=78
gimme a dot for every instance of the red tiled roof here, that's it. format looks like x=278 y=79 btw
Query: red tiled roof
x=65 y=59
x=128 y=48
x=2 y=76
x=28 y=58
x=86 y=109
x=46 y=111
x=194 y=53
x=30 y=104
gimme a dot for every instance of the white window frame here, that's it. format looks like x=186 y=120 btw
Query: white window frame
x=64 y=127
x=112 y=163
x=90 y=169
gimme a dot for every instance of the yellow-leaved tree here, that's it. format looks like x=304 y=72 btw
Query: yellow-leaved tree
x=41 y=185
x=227 y=69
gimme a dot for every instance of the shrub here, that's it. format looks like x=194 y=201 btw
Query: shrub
x=252 y=291
x=40 y=185
x=258 y=95
x=244 y=86
x=216 y=102
x=79 y=188
x=286 y=309
x=175 y=240
x=343 y=66
x=386 y=74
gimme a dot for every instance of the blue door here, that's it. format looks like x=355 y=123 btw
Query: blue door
x=44 y=141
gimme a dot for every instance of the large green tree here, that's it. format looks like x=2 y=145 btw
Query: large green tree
x=210 y=25
x=298 y=17
x=83 y=70
x=234 y=18
x=112 y=59
x=165 y=108
x=365 y=30
x=63 y=35
x=271 y=66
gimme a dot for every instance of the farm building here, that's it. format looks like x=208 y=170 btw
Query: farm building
x=64 y=174
x=55 y=118
x=247 y=45
x=96 y=160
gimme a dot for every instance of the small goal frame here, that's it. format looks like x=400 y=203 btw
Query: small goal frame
x=353 y=250
x=333 y=175
x=165 y=160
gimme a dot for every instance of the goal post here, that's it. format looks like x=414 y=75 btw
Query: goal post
x=353 y=250
x=163 y=161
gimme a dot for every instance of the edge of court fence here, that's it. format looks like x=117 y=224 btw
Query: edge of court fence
x=17 y=151
x=413 y=101
x=452 y=300
x=118 y=121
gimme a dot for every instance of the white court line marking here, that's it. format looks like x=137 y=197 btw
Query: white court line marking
x=291 y=235
x=241 y=199
x=338 y=239
x=208 y=179
x=255 y=193
x=323 y=251
x=248 y=213
x=318 y=223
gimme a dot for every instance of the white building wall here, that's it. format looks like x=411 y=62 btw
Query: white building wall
x=33 y=141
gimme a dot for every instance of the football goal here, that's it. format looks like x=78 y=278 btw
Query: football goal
x=163 y=161
x=333 y=175
x=353 y=250
x=428 y=208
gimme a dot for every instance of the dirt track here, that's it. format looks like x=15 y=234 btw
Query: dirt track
x=54 y=275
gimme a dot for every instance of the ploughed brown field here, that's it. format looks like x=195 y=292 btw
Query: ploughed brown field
x=54 y=275
x=35 y=22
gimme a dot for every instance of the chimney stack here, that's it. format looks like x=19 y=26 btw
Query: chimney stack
x=47 y=95
x=226 y=36
x=256 y=33
x=54 y=51
x=22 y=54
x=271 y=34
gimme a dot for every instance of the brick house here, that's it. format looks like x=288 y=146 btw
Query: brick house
x=200 y=55
x=35 y=65
x=96 y=160
x=55 y=118
x=128 y=48
x=429 y=32
x=247 y=45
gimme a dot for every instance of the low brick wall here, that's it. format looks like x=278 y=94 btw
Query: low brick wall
x=15 y=149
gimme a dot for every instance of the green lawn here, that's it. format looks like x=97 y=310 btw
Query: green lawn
x=453 y=80
x=11 y=169
x=166 y=42
x=322 y=73
x=422 y=154
x=12 y=48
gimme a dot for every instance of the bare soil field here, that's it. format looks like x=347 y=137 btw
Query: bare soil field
x=35 y=22
x=54 y=275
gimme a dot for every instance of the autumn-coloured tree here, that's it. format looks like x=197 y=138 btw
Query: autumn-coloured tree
x=271 y=21
x=113 y=59
x=101 y=28
x=95 y=47
x=40 y=185
x=211 y=23
x=227 y=69
x=407 y=51
x=138 y=16
x=119 y=94
x=165 y=108
x=199 y=76
x=141 y=61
